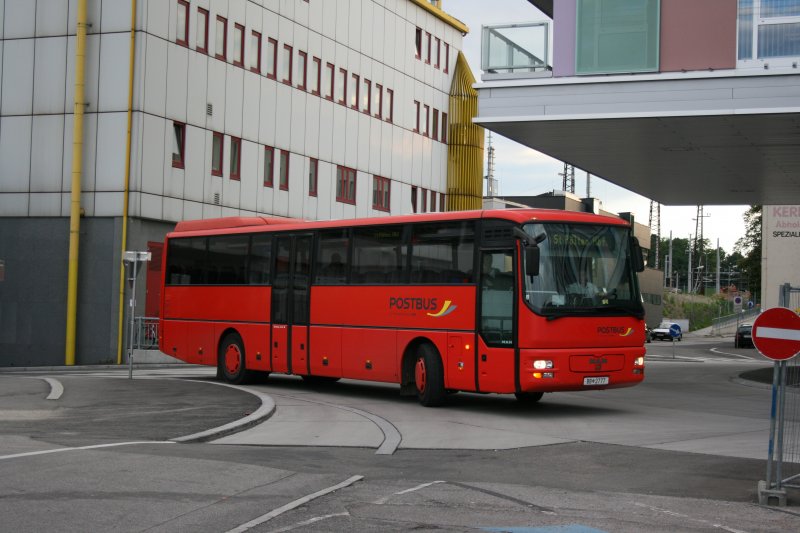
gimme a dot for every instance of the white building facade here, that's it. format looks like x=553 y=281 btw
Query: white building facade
x=316 y=109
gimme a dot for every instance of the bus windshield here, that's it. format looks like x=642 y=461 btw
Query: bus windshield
x=584 y=269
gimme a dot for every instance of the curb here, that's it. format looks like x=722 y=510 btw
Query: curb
x=265 y=411
x=87 y=368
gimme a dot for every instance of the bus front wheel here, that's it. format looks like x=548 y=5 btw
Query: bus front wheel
x=528 y=397
x=429 y=377
x=231 y=362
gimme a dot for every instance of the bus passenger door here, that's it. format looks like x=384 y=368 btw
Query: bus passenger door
x=497 y=331
x=290 y=305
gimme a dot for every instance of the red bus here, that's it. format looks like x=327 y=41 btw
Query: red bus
x=521 y=301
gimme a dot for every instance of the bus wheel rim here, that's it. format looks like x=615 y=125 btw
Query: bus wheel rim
x=232 y=359
x=420 y=374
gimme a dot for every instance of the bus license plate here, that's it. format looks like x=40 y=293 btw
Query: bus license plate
x=596 y=381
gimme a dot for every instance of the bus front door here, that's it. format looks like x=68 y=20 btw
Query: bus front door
x=290 y=304
x=496 y=349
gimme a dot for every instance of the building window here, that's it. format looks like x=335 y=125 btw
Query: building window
x=427 y=48
x=345 y=185
x=178 y=144
x=418 y=44
x=777 y=29
x=287 y=64
x=444 y=127
x=438 y=52
x=216 y=154
x=413 y=199
x=366 y=99
x=313 y=181
x=302 y=71
x=236 y=158
x=238 y=45
x=617 y=37
x=424 y=201
x=354 y=88
x=435 y=125
x=381 y=188
x=316 y=76
x=341 y=87
x=441 y=203
x=433 y=201
x=255 y=52
x=272 y=57
x=378 y=100
x=427 y=124
x=202 y=31
x=446 y=58
x=284 y=171
x=182 y=37
x=269 y=165
x=416 y=114
x=221 y=37
x=390 y=114
x=329 y=80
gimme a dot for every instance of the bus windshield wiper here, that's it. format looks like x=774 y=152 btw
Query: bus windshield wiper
x=622 y=309
x=573 y=311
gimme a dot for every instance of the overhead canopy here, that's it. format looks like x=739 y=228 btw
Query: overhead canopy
x=545 y=6
x=681 y=139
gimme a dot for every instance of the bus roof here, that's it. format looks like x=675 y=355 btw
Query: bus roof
x=521 y=215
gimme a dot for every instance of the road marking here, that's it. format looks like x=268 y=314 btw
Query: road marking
x=292 y=505
x=778 y=333
x=309 y=522
x=717 y=350
x=681 y=515
x=381 y=501
x=92 y=447
x=56 y=389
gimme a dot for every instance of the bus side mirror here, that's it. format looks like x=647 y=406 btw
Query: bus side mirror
x=636 y=255
x=532 y=260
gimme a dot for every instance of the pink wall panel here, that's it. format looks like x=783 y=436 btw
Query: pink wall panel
x=698 y=35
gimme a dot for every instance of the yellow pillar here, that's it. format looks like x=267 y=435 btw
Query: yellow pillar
x=464 y=142
x=75 y=206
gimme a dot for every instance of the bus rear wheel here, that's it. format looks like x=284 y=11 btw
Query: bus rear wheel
x=429 y=377
x=231 y=360
x=528 y=397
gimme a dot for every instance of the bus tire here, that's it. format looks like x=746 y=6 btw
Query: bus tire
x=528 y=397
x=429 y=377
x=231 y=360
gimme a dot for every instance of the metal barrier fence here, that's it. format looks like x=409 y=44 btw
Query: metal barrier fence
x=783 y=462
x=145 y=333
x=718 y=325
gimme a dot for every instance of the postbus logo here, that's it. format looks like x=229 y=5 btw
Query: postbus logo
x=620 y=331
x=430 y=305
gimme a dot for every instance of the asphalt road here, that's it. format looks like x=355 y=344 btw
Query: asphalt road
x=681 y=452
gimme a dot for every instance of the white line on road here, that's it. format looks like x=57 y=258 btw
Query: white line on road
x=56 y=388
x=385 y=499
x=681 y=515
x=92 y=447
x=717 y=350
x=777 y=333
x=292 y=505
x=309 y=522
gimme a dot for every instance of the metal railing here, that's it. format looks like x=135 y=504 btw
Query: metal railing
x=145 y=333
x=515 y=49
x=730 y=322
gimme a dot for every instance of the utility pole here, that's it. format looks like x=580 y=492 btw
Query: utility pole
x=689 y=269
x=655 y=223
x=568 y=181
x=491 y=183
x=588 y=185
x=718 y=265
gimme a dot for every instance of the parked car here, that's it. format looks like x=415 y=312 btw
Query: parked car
x=744 y=336
x=662 y=332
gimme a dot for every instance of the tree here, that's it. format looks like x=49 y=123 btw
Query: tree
x=749 y=247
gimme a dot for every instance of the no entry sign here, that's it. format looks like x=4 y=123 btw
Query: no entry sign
x=776 y=333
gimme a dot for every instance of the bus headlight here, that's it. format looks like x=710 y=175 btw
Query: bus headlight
x=542 y=364
x=639 y=361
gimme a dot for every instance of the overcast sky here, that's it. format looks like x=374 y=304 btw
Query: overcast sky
x=523 y=171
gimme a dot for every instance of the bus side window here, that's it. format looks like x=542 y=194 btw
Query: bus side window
x=331 y=265
x=259 y=262
x=186 y=261
x=442 y=252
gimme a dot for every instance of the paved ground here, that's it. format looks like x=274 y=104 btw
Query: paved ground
x=681 y=452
